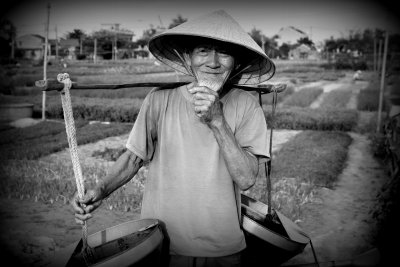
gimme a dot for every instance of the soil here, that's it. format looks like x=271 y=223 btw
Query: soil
x=341 y=225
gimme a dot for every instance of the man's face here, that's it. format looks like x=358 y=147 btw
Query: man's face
x=211 y=64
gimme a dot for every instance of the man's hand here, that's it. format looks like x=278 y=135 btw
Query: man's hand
x=85 y=206
x=206 y=103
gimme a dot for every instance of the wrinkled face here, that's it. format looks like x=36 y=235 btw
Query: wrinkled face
x=211 y=64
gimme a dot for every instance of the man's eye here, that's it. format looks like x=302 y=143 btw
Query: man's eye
x=202 y=51
x=224 y=53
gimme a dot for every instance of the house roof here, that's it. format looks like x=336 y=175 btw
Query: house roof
x=303 y=48
x=30 y=41
x=30 y=35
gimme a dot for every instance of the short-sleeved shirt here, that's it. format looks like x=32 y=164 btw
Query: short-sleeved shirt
x=188 y=186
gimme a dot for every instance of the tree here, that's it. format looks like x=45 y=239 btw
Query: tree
x=257 y=36
x=268 y=44
x=306 y=41
x=177 y=21
x=147 y=34
x=8 y=33
x=284 y=50
x=77 y=34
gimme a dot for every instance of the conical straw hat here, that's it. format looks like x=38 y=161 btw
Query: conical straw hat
x=221 y=27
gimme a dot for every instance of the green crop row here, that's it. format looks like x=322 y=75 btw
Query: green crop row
x=296 y=118
x=33 y=146
x=304 y=97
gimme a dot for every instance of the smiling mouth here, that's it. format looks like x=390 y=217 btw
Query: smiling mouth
x=213 y=73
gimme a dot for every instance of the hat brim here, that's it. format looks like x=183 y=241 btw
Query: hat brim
x=259 y=68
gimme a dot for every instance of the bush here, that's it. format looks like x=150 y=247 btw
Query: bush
x=80 y=56
x=113 y=110
x=295 y=118
x=309 y=160
x=6 y=84
x=337 y=99
x=33 y=145
x=304 y=97
x=368 y=100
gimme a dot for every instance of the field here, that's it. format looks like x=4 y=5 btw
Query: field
x=325 y=124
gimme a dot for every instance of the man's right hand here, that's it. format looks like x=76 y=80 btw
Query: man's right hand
x=85 y=206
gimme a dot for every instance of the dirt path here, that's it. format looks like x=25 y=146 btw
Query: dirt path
x=342 y=227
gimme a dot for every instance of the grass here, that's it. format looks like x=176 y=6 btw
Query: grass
x=308 y=74
x=310 y=160
x=336 y=99
x=368 y=98
x=295 y=118
x=321 y=157
x=303 y=98
x=50 y=138
x=45 y=128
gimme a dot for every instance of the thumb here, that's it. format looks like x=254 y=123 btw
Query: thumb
x=88 y=197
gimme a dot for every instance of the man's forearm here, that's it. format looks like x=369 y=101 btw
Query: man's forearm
x=242 y=166
x=123 y=170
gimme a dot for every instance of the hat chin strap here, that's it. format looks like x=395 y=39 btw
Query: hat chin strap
x=239 y=72
x=188 y=69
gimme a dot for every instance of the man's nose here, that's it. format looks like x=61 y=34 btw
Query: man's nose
x=213 y=59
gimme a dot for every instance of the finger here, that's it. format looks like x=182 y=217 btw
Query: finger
x=88 y=198
x=83 y=217
x=202 y=102
x=200 y=109
x=76 y=205
x=79 y=221
x=88 y=208
x=92 y=207
x=204 y=96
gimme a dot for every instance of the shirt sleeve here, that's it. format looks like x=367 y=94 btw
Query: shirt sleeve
x=143 y=136
x=252 y=132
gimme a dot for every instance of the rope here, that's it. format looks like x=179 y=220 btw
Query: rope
x=73 y=148
x=268 y=165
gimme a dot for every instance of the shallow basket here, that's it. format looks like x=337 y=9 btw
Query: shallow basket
x=271 y=239
x=134 y=243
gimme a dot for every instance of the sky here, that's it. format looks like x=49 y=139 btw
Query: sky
x=319 y=19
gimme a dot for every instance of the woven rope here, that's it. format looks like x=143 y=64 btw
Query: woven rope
x=71 y=135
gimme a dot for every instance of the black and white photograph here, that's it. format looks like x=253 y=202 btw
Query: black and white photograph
x=184 y=133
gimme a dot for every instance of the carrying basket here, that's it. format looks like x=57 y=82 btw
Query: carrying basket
x=271 y=238
x=134 y=243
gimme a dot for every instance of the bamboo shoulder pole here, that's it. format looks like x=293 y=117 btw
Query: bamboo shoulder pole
x=53 y=85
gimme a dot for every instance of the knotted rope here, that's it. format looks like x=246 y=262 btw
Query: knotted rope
x=73 y=148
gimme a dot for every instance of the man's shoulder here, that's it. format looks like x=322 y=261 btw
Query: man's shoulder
x=160 y=92
x=240 y=95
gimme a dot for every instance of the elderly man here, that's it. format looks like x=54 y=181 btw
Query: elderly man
x=202 y=141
